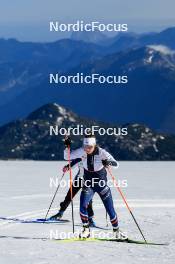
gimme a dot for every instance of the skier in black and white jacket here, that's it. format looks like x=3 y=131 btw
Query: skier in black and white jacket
x=95 y=160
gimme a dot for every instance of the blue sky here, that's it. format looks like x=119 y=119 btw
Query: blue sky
x=23 y=19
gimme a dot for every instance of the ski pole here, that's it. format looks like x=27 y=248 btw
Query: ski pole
x=107 y=219
x=54 y=197
x=71 y=191
x=124 y=199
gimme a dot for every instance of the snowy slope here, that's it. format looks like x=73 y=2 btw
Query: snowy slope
x=25 y=193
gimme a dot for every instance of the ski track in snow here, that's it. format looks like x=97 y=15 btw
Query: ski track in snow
x=22 y=243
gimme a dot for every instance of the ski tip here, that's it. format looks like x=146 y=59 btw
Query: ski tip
x=149 y=243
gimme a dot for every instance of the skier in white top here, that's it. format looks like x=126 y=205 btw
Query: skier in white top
x=95 y=160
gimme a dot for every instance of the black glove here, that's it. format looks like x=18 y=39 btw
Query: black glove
x=67 y=142
x=66 y=168
x=106 y=163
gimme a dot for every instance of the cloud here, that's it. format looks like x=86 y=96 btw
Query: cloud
x=163 y=49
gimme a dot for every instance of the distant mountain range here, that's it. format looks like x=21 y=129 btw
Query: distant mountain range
x=147 y=59
x=25 y=65
x=30 y=139
x=125 y=40
x=132 y=40
x=91 y=37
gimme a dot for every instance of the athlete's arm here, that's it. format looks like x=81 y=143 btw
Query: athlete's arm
x=73 y=163
x=108 y=159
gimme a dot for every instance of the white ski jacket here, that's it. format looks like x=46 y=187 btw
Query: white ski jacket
x=93 y=162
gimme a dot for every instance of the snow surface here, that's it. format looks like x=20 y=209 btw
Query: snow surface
x=25 y=192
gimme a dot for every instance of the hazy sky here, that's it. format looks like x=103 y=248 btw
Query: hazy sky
x=24 y=18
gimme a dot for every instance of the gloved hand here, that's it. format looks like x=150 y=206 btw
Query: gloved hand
x=66 y=168
x=67 y=142
x=106 y=163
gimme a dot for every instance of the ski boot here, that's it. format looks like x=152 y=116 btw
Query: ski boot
x=57 y=216
x=85 y=233
x=117 y=234
x=91 y=222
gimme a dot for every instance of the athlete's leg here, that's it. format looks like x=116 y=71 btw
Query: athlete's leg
x=106 y=197
x=63 y=205
x=77 y=185
x=85 y=197
x=91 y=214
x=90 y=210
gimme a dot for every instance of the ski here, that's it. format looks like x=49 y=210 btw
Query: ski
x=34 y=221
x=130 y=241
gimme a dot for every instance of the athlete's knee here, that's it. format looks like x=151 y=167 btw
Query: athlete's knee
x=105 y=193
